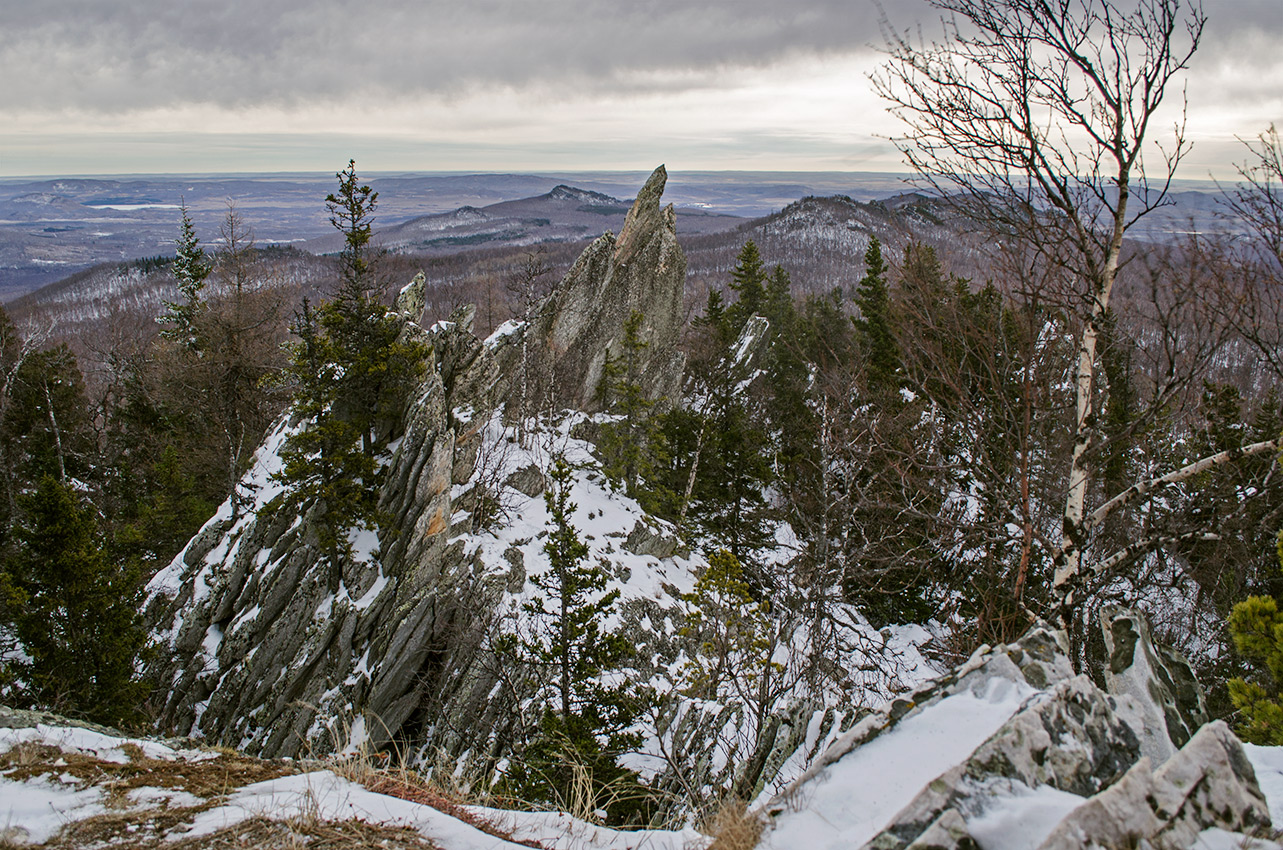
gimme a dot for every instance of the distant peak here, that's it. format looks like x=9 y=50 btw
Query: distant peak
x=581 y=196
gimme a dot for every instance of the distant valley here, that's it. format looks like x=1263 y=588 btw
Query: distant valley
x=50 y=229
x=53 y=228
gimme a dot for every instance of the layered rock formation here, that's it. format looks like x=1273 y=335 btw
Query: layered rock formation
x=580 y=326
x=255 y=650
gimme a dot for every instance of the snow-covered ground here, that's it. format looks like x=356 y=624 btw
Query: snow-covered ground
x=843 y=807
x=34 y=808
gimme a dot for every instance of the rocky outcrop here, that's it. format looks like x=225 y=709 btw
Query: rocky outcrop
x=1158 y=679
x=1208 y=784
x=1067 y=768
x=580 y=326
x=257 y=650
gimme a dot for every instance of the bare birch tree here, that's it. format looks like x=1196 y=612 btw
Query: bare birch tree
x=1036 y=117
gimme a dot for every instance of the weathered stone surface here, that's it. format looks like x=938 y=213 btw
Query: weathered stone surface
x=1068 y=738
x=1159 y=680
x=1209 y=783
x=580 y=325
x=528 y=480
x=948 y=832
x=645 y=539
x=1071 y=746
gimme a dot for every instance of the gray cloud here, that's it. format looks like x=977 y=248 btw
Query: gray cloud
x=570 y=60
x=146 y=53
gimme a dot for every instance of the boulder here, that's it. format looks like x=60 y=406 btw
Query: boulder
x=1159 y=680
x=1208 y=784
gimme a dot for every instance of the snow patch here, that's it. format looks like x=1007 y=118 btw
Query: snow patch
x=850 y=801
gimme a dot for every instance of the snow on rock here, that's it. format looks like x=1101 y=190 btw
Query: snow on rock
x=1013 y=752
x=1268 y=764
x=846 y=803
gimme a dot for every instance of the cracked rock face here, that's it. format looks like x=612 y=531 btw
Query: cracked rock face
x=256 y=652
x=580 y=325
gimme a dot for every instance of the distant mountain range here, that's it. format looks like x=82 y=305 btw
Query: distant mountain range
x=53 y=228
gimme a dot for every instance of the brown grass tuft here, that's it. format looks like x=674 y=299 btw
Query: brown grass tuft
x=375 y=773
x=733 y=826
x=208 y=778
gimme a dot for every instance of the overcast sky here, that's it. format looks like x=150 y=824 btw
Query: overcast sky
x=120 y=86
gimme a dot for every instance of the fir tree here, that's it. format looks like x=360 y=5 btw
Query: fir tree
x=351 y=369
x=627 y=444
x=191 y=267
x=874 y=325
x=324 y=463
x=375 y=366
x=76 y=611
x=584 y=729
x=352 y=214
x=748 y=280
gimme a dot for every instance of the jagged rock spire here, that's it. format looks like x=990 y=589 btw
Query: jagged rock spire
x=580 y=325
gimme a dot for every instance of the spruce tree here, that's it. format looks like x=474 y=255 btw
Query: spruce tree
x=351 y=369
x=375 y=366
x=324 y=462
x=191 y=267
x=627 y=444
x=583 y=730
x=76 y=612
x=748 y=280
x=874 y=325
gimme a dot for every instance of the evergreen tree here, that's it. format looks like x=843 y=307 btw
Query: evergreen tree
x=324 y=462
x=627 y=445
x=191 y=267
x=730 y=629
x=788 y=377
x=748 y=281
x=351 y=369
x=875 y=326
x=1256 y=624
x=375 y=366
x=352 y=214
x=584 y=728
x=75 y=611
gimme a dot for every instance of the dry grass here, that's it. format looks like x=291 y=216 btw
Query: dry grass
x=132 y=828
x=126 y=824
x=213 y=777
x=733 y=826
x=147 y=831
x=375 y=773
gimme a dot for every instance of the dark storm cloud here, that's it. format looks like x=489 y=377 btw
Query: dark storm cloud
x=114 y=54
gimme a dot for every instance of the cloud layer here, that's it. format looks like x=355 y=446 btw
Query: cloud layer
x=725 y=74
x=87 y=54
